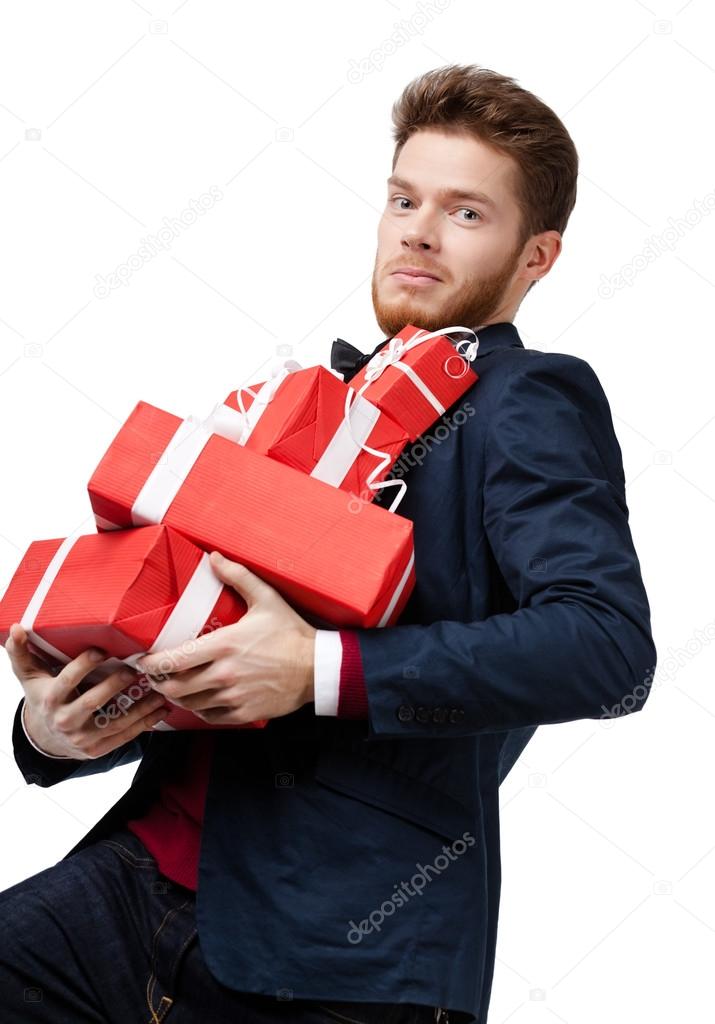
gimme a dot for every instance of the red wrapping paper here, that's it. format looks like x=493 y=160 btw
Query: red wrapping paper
x=438 y=364
x=298 y=427
x=116 y=591
x=346 y=562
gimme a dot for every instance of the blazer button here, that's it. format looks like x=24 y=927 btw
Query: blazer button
x=456 y=714
x=422 y=715
x=405 y=713
x=439 y=714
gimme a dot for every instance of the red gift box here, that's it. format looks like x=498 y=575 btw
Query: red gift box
x=298 y=418
x=349 y=563
x=304 y=425
x=414 y=385
x=128 y=592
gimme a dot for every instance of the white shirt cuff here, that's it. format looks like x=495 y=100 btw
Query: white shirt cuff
x=56 y=757
x=328 y=660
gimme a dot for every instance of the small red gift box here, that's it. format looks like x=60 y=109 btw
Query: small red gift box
x=298 y=418
x=414 y=385
x=128 y=592
x=349 y=563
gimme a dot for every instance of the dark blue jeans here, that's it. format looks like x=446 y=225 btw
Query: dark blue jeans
x=103 y=937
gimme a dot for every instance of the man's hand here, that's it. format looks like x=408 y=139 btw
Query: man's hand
x=62 y=722
x=258 y=667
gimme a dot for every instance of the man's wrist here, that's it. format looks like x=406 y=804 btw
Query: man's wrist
x=308 y=665
x=28 y=737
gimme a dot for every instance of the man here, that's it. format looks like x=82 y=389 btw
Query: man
x=349 y=852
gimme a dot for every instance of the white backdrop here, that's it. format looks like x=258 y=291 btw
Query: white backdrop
x=116 y=117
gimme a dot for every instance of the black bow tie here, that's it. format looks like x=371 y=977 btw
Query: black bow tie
x=348 y=360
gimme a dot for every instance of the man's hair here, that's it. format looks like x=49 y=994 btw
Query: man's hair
x=494 y=109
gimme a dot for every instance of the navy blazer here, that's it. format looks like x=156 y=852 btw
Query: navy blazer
x=360 y=860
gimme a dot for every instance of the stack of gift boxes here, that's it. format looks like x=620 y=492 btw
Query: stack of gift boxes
x=280 y=477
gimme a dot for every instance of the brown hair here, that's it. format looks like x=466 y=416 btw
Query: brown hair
x=493 y=108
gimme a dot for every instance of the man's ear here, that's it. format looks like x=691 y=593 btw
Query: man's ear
x=544 y=249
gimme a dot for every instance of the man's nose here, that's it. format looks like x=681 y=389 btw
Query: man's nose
x=410 y=244
x=422 y=232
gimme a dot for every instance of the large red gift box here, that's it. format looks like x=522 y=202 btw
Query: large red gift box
x=414 y=385
x=347 y=562
x=128 y=592
x=298 y=418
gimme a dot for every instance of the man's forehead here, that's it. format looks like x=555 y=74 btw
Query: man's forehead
x=433 y=161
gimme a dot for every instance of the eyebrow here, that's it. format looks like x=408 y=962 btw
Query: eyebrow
x=446 y=193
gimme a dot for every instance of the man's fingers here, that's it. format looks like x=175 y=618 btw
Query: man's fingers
x=201 y=651
x=24 y=663
x=121 y=717
x=75 y=671
x=139 y=723
x=121 y=679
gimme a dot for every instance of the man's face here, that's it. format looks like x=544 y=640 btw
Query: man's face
x=470 y=244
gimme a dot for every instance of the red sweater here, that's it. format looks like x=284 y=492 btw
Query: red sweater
x=171 y=828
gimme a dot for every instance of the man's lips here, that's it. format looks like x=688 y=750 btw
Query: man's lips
x=412 y=277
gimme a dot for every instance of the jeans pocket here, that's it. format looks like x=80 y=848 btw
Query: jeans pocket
x=170 y=944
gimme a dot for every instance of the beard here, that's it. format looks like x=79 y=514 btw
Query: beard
x=472 y=306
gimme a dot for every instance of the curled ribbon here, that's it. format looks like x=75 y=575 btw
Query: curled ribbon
x=279 y=371
x=227 y=422
x=388 y=356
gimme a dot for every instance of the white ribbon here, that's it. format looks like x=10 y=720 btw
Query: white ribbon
x=391 y=355
x=180 y=455
x=169 y=472
x=340 y=453
x=398 y=590
x=346 y=443
x=359 y=416
x=171 y=469
x=238 y=425
x=35 y=603
x=186 y=619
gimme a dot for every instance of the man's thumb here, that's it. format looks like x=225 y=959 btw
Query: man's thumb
x=16 y=646
x=246 y=583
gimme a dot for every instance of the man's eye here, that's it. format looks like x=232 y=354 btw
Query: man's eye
x=404 y=199
x=466 y=208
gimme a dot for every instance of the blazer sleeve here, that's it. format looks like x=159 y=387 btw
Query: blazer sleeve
x=46 y=771
x=578 y=644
